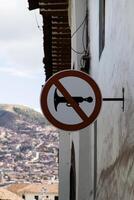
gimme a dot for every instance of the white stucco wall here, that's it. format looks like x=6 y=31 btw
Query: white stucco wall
x=85 y=166
x=81 y=139
x=64 y=165
x=114 y=71
x=115 y=131
x=78 y=14
x=31 y=196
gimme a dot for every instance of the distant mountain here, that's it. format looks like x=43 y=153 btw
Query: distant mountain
x=28 y=147
x=12 y=116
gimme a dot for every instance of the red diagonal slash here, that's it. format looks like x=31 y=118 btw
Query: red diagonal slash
x=71 y=101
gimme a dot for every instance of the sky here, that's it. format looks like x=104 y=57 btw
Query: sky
x=21 y=54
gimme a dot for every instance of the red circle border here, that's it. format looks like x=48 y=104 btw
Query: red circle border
x=58 y=76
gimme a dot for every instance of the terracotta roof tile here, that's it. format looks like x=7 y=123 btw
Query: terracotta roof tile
x=7 y=195
x=33 y=188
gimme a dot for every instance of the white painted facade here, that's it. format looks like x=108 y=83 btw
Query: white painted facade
x=37 y=196
x=115 y=129
x=80 y=139
x=30 y=196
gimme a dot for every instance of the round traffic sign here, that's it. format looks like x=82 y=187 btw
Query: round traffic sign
x=71 y=100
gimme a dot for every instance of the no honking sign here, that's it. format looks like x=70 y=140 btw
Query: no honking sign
x=71 y=100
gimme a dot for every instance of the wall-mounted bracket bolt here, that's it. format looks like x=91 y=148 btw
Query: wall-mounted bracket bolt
x=122 y=99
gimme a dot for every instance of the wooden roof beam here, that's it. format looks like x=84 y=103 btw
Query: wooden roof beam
x=62 y=56
x=59 y=19
x=33 y=4
x=53 y=12
x=54 y=6
x=53 y=1
x=58 y=25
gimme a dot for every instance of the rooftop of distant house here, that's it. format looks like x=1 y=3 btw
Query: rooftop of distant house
x=7 y=195
x=50 y=188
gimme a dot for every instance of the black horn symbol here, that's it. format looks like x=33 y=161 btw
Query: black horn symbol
x=58 y=99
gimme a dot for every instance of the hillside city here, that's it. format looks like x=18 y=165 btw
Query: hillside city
x=28 y=150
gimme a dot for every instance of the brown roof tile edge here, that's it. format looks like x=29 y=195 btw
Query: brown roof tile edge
x=33 y=188
x=33 y=4
x=56 y=33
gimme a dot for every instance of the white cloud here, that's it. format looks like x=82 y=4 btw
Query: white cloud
x=21 y=54
x=6 y=5
x=21 y=43
x=25 y=54
x=15 y=72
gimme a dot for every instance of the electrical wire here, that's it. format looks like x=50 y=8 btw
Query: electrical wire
x=79 y=27
x=77 y=52
x=83 y=34
x=83 y=22
x=37 y=21
x=85 y=47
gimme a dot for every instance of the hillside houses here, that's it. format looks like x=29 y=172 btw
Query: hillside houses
x=95 y=163
x=7 y=195
x=47 y=191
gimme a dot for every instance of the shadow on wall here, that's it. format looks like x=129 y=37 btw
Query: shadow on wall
x=117 y=181
x=72 y=175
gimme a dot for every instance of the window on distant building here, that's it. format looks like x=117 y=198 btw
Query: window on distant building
x=101 y=26
x=23 y=196
x=36 y=197
x=56 y=198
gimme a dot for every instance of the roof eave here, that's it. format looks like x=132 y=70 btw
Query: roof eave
x=33 y=4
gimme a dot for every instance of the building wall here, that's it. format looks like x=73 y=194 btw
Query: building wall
x=31 y=196
x=80 y=139
x=112 y=72
x=64 y=165
x=115 y=129
x=78 y=12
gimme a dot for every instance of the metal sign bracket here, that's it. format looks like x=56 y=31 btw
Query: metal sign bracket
x=122 y=99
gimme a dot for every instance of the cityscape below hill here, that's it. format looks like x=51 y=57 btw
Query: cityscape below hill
x=28 y=147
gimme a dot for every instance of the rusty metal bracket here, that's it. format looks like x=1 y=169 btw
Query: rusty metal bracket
x=122 y=99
